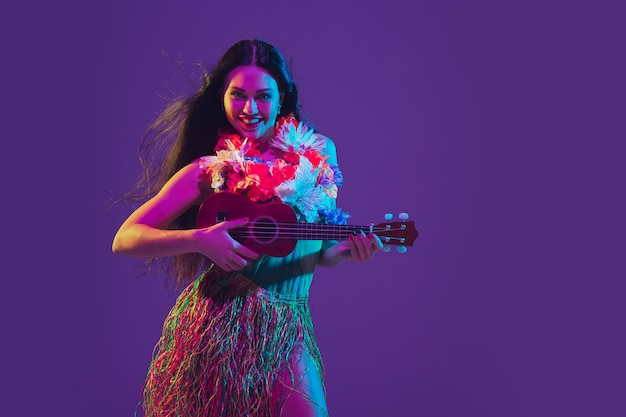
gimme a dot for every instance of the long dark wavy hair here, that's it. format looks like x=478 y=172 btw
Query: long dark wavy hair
x=188 y=129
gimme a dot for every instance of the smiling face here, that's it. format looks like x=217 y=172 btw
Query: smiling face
x=251 y=102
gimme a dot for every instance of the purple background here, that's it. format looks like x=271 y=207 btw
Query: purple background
x=498 y=125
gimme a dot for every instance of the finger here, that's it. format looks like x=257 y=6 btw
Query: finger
x=232 y=224
x=230 y=265
x=235 y=265
x=238 y=262
x=230 y=262
x=224 y=266
x=367 y=244
x=243 y=251
x=354 y=252
x=371 y=244
x=358 y=249
x=377 y=244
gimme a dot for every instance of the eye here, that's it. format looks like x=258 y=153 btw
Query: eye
x=237 y=94
x=264 y=97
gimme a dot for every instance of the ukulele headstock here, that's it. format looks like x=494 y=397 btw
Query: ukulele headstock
x=400 y=233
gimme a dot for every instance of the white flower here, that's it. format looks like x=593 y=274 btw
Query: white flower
x=331 y=191
x=216 y=164
x=213 y=165
x=301 y=192
x=292 y=138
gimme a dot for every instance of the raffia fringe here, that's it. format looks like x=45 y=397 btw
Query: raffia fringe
x=225 y=344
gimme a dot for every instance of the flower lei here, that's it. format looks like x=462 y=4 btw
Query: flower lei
x=301 y=178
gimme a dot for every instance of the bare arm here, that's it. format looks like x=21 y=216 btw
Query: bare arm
x=143 y=234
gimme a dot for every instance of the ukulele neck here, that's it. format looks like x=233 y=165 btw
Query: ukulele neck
x=315 y=231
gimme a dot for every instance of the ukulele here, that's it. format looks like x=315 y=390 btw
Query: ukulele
x=273 y=228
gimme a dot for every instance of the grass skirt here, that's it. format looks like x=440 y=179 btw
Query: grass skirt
x=226 y=348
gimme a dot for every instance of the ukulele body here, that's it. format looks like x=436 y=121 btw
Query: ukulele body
x=266 y=232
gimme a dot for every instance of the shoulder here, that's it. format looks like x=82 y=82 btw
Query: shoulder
x=329 y=148
x=189 y=173
x=189 y=183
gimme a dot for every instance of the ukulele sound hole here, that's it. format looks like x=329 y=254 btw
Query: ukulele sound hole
x=265 y=230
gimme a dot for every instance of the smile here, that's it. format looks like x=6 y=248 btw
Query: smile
x=250 y=121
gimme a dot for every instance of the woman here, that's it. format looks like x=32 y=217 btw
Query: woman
x=239 y=340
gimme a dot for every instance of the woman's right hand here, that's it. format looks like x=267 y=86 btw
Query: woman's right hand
x=215 y=243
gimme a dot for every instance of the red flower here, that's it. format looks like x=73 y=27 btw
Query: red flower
x=254 y=181
x=315 y=157
x=285 y=120
x=292 y=158
x=223 y=137
x=282 y=172
x=233 y=179
x=250 y=148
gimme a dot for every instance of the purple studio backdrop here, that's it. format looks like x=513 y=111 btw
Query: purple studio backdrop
x=499 y=126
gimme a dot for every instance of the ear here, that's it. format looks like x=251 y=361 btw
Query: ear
x=282 y=97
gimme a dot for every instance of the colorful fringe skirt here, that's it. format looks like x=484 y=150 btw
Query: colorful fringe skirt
x=226 y=347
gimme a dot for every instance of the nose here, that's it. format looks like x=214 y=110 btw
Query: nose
x=250 y=107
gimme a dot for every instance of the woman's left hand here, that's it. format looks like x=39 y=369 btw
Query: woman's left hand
x=358 y=248
x=361 y=246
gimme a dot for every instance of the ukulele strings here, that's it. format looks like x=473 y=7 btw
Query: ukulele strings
x=337 y=236
x=300 y=230
x=315 y=226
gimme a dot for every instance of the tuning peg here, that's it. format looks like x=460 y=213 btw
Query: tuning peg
x=386 y=248
x=388 y=217
x=403 y=216
x=401 y=249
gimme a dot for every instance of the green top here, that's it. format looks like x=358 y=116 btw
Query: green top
x=292 y=274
